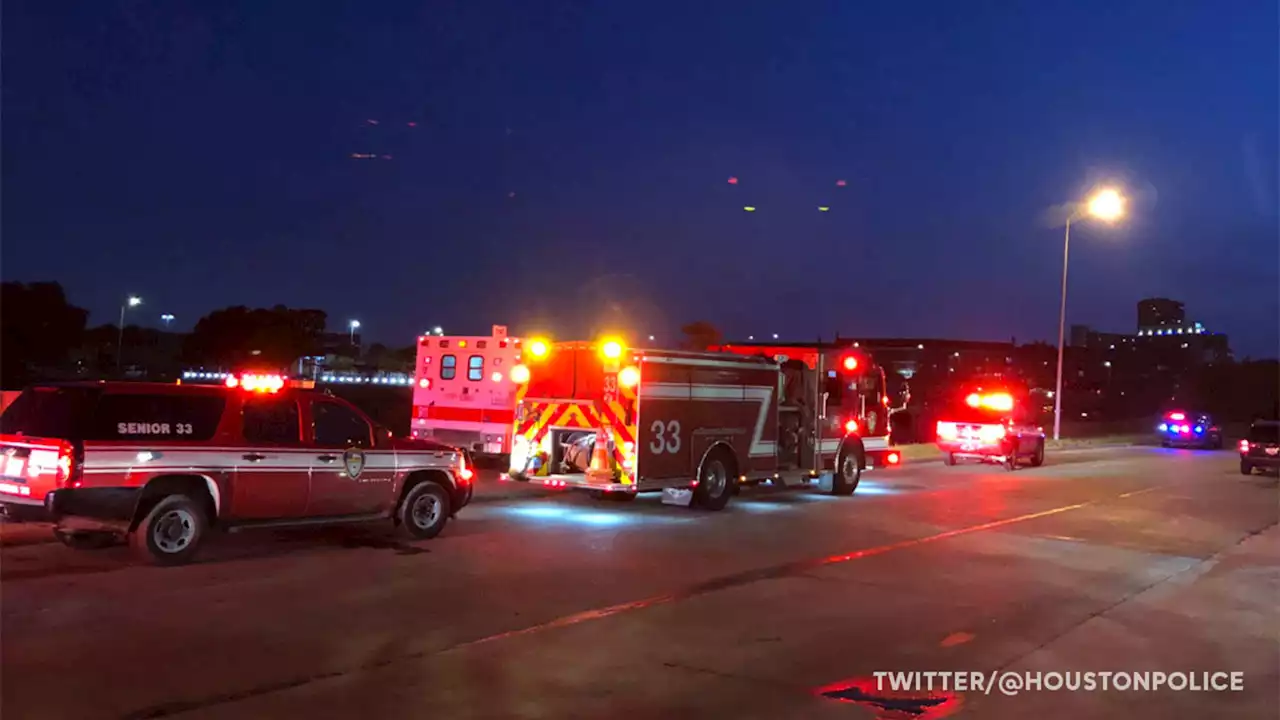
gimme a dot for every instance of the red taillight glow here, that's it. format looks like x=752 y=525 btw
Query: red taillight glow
x=233 y=382
x=260 y=383
x=851 y=363
x=991 y=433
x=851 y=426
x=893 y=458
x=1244 y=446
x=1177 y=416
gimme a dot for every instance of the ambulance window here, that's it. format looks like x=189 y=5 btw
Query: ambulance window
x=271 y=421
x=448 y=367
x=475 y=368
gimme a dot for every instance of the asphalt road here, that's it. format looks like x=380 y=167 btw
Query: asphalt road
x=553 y=605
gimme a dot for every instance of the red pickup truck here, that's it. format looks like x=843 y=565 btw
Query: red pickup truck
x=166 y=464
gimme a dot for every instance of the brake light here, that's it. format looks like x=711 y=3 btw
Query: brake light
x=851 y=426
x=464 y=472
x=629 y=376
x=884 y=400
x=947 y=431
x=893 y=458
x=1244 y=446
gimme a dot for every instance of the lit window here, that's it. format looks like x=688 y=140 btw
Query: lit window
x=475 y=368
x=448 y=367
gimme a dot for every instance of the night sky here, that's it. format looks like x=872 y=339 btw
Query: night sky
x=568 y=164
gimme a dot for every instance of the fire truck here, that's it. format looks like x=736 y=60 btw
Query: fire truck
x=696 y=425
x=462 y=391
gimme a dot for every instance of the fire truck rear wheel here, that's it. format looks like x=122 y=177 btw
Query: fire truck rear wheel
x=848 y=473
x=714 y=487
x=425 y=510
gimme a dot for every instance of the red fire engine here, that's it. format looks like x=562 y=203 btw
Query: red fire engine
x=462 y=391
x=696 y=425
x=992 y=424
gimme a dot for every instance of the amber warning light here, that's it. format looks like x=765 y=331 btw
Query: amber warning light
x=1000 y=402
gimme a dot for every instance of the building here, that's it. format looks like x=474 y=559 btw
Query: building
x=1157 y=313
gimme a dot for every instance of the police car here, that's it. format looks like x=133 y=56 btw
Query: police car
x=167 y=464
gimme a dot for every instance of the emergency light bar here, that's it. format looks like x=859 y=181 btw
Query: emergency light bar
x=1000 y=402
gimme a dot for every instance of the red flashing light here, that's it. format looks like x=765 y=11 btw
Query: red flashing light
x=1000 y=402
x=251 y=382
x=1177 y=416
x=893 y=458
x=851 y=426
x=851 y=363
x=233 y=382
x=1244 y=446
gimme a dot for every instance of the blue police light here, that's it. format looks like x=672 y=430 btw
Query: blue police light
x=1199 y=429
x=1162 y=427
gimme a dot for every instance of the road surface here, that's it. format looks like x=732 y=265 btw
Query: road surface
x=552 y=605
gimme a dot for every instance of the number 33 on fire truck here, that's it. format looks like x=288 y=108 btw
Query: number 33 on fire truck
x=666 y=437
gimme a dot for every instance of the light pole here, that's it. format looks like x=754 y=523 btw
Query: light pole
x=1106 y=205
x=131 y=301
x=354 y=325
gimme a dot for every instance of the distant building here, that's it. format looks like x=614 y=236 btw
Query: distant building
x=1157 y=313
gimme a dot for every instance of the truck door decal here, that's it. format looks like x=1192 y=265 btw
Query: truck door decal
x=761 y=394
x=666 y=437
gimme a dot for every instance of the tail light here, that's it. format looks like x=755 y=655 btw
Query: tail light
x=893 y=458
x=1244 y=446
x=464 y=472
x=851 y=426
x=947 y=431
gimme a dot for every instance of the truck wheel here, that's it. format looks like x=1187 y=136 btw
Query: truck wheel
x=425 y=510
x=85 y=540
x=1246 y=468
x=171 y=533
x=714 y=486
x=1037 y=458
x=949 y=459
x=848 y=473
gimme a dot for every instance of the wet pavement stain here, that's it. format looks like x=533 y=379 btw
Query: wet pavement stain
x=891 y=704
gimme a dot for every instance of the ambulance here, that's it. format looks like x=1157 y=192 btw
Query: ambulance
x=695 y=426
x=463 y=395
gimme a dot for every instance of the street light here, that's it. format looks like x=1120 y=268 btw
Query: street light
x=1107 y=205
x=354 y=325
x=166 y=319
x=130 y=302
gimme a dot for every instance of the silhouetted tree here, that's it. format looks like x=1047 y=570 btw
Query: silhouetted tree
x=239 y=336
x=38 y=330
x=700 y=335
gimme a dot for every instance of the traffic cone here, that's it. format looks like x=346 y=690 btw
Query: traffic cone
x=601 y=462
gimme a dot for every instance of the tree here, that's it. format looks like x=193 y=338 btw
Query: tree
x=700 y=335
x=238 y=336
x=38 y=331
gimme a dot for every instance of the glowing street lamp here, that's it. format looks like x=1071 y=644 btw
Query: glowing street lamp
x=131 y=302
x=353 y=325
x=166 y=319
x=1107 y=205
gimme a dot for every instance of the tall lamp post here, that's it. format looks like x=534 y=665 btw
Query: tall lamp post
x=1106 y=205
x=166 y=319
x=353 y=325
x=132 y=301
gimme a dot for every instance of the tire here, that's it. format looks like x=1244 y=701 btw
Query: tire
x=85 y=540
x=172 y=532
x=715 y=484
x=1011 y=460
x=1246 y=468
x=848 y=472
x=425 y=510
x=1037 y=459
x=949 y=459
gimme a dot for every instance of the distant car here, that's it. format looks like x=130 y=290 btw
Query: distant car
x=1262 y=448
x=990 y=426
x=1180 y=428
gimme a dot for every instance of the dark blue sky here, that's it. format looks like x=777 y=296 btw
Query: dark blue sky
x=199 y=154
